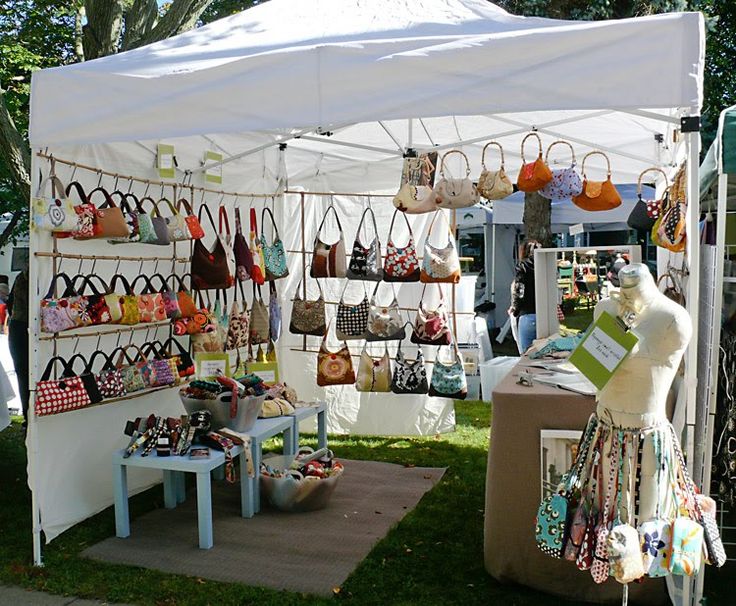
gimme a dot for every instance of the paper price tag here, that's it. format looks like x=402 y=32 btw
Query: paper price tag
x=165 y=161
x=604 y=349
x=577 y=229
x=214 y=174
x=209 y=365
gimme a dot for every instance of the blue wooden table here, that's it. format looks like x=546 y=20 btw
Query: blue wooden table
x=304 y=412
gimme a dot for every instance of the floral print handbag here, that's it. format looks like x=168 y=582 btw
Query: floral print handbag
x=440 y=264
x=448 y=380
x=334 y=368
x=365 y=261
x=431 y=327
x=308 y=317
x=401 y=263
x=565 y=182
x=151 y=306
x=98 y=303
x=274 y=255
x=65 y=312
x=54 y=213
x=109 y=379
x=384 y=321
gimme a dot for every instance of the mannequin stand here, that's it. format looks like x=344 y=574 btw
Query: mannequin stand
x=625 y=595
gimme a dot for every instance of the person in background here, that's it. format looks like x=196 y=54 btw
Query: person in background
x=18 y=336
x=523 y=305
x=4 y=294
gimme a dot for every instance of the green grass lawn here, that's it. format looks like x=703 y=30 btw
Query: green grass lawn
x=434 y=556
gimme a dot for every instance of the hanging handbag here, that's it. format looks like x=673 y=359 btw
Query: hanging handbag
x=409 y=377
x=85 y=211
x=431 y=327
x=135 y=373
x=237 y=326
x=401 y=263
x=258 y=267
x=108 y=221
x=274 y=313
x=176 y=224
x=597 y=195
x=494 y=184
x=210 y=268
x=415 y=199
x=211 y=339
x=169 y=298
x=243 y=257
x=334 y=368
x=97 y=303
x=274 y=255
x=109 y=380
x=164 y=371
x=260 y=326
x=54 y=213
x=448 y=380
x=384 y=322
x=455 y=193
x=352 y=320
x=308 y=317
x=365 y=261
x=151 y=306
x=187 y=307
x=533 y=176
x=127 y=301
x=328 y=260
x=181 y=357
x=65 y=312
x=374 y=374
x=226 y=238
x=194 y=228
x=152 y=226
x=130 y=207
x=645 y=212
x=60 y=395
x=565 y=182
x=670 y=229
x=440 y=264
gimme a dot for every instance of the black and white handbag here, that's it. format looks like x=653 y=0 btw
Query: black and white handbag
x=409 y=377
x=352 y=320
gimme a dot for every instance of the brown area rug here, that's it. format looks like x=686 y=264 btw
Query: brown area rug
x=303 y=552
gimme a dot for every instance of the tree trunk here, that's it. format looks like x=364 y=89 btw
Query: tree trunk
x=538 y=218
x=139 y=21
x=103 y=28
x=17 y=157
x=79 y=34
x=181 y=17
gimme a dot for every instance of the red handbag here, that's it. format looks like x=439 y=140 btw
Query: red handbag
x=66 y=393
x=243 y=256
x=193 y=224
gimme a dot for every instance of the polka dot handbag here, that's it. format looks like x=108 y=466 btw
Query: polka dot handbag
x=66 y=393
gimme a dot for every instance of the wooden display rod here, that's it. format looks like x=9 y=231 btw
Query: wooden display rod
x=109 y=257
x=72 y=334
x=354 y=355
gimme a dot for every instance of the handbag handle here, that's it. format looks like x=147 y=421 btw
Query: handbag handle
x=124 y=280
x=147 y=286
x=76 y=186
x=93 y=357
x=127 y=208
x=69 y=368
x=140 y=355
x=647 y=170
x=483 y=154
x=179 y=346
x=268 y=211
x=434 y=218
x=58 y=188
x=153 y=348
x=455 y=151
x=185 y=203
x=154 y=207
x=539 y=142
x=209 y=214
x=238 y=223
x=172 y=208
x=164 y=284
x=87 y=281
x=362 y=218
x=297 y=297
x=391 y=226
x=332 y=208
x=108 y=203
x=560 y=142
x=600 y=153
x=49 y=367
x=222 y=218
x=180 y=281
x=424 y=289
x=68 y=291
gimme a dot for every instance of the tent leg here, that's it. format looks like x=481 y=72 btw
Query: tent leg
x=493 y=264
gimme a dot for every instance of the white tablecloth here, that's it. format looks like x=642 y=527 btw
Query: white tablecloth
x=7 y=392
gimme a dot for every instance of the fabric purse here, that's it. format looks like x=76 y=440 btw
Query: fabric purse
x=494 y=184
x=624 y=553
x=187 y=307
x=384 y=323
x=440 y=264
x=237 y=326
x=258 y=267
x=374 y=374
x=533 y=176
x=578 y=525
x=308 y=317
x=127 y=301
x=431 y=327
x=670 y=229
x=334 y=368
x=169 y=298
x=53 y=213
x=210 y=267
x=655 y=539
x=401 y=263
x=687 y=546
x=182 y=359
x=365 y=261
x=243 y=257
x=164 y=371
x=176 y=225
x=328 y=260
x=98 y=303
x=274 y=313
x=160 y=225
x=190 y=219
x=151 y=307
x=109 y=380
x=60 y=395
x=85 y=211
x=646 y=212
x=130 y=207
x=455 y=193
x=597 y=195
x=133 y=372
x=65 y=312
x=415 y=199
x=565 y=182
x=274 y=255
x=108 y=221
x=352 y=320
x=409 y=377
x=226 y=238
x=448 y=380
x=260 y=326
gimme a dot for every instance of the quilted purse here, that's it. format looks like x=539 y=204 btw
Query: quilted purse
x=455 y=193
x=401 y=263
x=365 y=261
x=448 y=380
x=670 y=229
x=151 y=306
x=334 y=368
x=328 y=260
x=384 y=322
x=597 y=195
x=494 y=184
x=64 y=394
x=645 y=212
x=274 y=255
x=565 y=182
x=374 y=374
x=260 y=326
x=85 y=227
x=258 y=263
x=440 y=264
x=431 y=327
x=308 y=317
x=409 y=377
x=64 y=312
x=127 y=301
x=210 y=268
x=136 y=374
x=108 y=221
x=181 y=357
x=109 y=380
x=243 y=257
x=533 y=176
x=352 y=320
x=54 y=213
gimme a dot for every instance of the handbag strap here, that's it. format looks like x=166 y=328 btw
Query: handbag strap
x=375 y=291
x=165 y=346
x=87 y=281
x=128 y=208
x=600 y=153
x=434 y=218
x=560 y=142
x=391 y=227
x=147 y=288
x=332 y=208
x=264 y=212
x=539 y=143
x=483 y=154
x=647 y=170
x=204 y=207
x=77 y=186
x=455 y=151
x=49 y=367
x=183 y=202
x=153 y=348
x=68 y=282
x=424 y=288
x=140 y=355
x=69 y=368
x=297 y=297
x=154 y=207
x=172 y=208
x=90 y=365
x=367 y=210
x=164 y=284
x=124 y=280
x=56 y=185
x=344 y=287
x=238 y=226
x=108 y=203
x=222 y=218
x=253 y=223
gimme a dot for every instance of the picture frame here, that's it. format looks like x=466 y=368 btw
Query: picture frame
x=557 y=452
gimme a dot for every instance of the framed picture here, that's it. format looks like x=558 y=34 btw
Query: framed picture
x=557 y=451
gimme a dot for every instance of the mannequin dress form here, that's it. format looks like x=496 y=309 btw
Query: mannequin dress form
x=629 y=459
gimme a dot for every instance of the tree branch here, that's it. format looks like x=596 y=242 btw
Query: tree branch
x=15 y=152
x=103 y=28
x=79 y=34
x=139 y=21
x=181 y=17
x=9 y=230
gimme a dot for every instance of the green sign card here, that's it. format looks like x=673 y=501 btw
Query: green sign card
x=165 y=161
x=212 y=175
x=208 y=365
x=605 y=346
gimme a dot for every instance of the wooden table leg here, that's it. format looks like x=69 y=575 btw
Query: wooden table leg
x=246 y=488
x=169 y=489
x=204 y=510
x=120 y=490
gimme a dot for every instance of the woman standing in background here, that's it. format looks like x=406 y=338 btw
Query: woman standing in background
x=523 y=305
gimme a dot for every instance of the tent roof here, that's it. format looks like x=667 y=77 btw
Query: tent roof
x=304 y=64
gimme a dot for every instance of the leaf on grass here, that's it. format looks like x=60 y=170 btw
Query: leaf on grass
x=336 y=590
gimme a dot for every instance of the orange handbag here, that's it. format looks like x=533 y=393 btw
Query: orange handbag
x=597 y=195
x=533 y=176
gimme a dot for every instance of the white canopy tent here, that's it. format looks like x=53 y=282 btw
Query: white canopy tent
x=349 y=86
